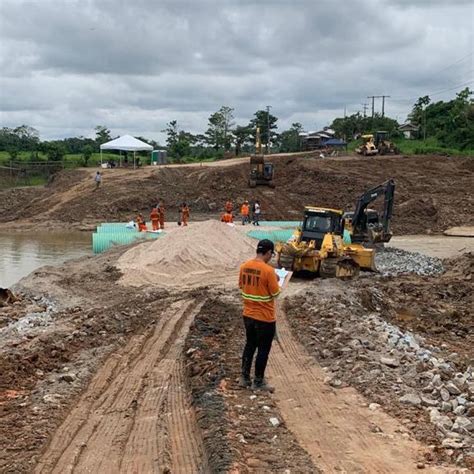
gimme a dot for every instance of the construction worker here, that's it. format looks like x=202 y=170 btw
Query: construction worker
x=229 y=207
x=256 y=212
x=161 y=210
x=141 y=224
x=227 y=217
x=259 y=287
x=184 y=214
x=244 y=212
x=155 y=219
x=98 y=180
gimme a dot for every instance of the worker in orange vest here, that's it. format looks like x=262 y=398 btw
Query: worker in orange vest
x=229 y=207
x=155 y=219
x=227 y=218
x=184 y=214
x=161 y=210
x=141 y=224
x=244 y=212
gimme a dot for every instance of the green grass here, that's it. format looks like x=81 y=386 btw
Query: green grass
x=420 y=147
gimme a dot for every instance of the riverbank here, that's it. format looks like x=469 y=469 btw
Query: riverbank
x=90 y=349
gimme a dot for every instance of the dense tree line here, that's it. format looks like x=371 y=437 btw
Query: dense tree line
x=451 y=123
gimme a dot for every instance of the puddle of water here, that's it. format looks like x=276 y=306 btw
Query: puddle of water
x=20 y=254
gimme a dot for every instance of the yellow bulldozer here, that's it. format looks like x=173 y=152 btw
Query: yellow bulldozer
x=318 y=247
x=368 y=147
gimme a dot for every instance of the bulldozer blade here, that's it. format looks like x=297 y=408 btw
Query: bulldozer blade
x=346 y=269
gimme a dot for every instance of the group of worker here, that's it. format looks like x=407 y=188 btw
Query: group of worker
x=157 y=217
x=228 y=215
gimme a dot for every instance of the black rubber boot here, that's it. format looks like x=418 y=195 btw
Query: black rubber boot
x=261 y=384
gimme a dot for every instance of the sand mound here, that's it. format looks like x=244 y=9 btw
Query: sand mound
x=204 y=253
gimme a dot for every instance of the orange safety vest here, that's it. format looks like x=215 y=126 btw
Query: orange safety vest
x=244 y=210
x=227 y=218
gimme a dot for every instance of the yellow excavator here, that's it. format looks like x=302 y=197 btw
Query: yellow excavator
x=318 y=247
x=261 y=172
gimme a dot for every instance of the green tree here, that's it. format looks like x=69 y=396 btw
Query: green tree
x=55 y=150
x=87 y=154
x=242 y=136
x=289 y=140
x=219 y=132
x=102 y=135
x=267 y=124
x=178 y=141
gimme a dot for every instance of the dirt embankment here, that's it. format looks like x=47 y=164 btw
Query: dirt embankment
x=433 y=193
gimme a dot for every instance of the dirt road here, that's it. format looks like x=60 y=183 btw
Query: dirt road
x=336 y=427
x=135 y=415
x=440 y=246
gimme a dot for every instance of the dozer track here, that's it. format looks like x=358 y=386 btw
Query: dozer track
x=286 y=261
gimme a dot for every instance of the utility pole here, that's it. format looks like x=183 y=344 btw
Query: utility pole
x=373 y=97
x=268 y=127
x=344 y=111
x=365 y=108
x=373 y=102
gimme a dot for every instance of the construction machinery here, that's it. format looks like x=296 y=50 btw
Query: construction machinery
x=366 y=225
x=368 y=147
x=384 y=145
x=318 y=247
x=261 y=172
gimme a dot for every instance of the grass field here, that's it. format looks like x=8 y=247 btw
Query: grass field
x=420 y=147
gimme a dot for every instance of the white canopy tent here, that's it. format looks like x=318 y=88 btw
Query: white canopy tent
x=125 y=143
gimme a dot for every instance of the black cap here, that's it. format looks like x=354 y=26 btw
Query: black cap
x=264 y=246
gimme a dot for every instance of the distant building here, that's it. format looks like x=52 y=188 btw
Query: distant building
x=409 y=130
x=322 y=139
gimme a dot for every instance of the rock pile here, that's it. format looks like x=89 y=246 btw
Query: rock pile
x=391 y=261
x=394 y=368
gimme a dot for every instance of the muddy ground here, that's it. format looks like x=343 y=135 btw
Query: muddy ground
x=392 y=337
x=53 y=342
x=433 y=193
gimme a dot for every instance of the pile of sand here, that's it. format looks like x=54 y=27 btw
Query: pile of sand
x=204 y=253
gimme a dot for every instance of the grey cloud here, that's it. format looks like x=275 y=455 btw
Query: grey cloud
x=136 y=65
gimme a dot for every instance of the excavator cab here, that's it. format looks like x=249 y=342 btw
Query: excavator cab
x=366 y=225
x=261 y=172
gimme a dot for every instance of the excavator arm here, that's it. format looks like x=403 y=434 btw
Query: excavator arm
x=359 y=218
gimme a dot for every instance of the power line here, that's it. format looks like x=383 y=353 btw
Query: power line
x=373 y=97
x=454 y=64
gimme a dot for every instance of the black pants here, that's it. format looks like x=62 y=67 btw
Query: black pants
x=259 y=337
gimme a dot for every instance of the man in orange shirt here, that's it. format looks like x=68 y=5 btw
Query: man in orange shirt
x=227 y=218
x=155 y=218
x=244 y=211
x=259 y=287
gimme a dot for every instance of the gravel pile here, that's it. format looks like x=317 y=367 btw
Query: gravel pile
x=396 y=369
x=392 y=261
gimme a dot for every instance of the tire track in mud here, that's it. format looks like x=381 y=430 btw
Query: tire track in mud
x=135 y=415
x=334 y=426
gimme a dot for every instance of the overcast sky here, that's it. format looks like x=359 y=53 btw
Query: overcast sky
x=133 y=65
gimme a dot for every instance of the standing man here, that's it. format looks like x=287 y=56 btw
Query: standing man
x=184 y=214
x=97 y=179
x=155 y=219
x=244 y=211
x=259 y=287
x=256 y=213
x=161 y=211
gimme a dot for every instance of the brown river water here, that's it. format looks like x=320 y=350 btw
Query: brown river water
x=22 y=253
